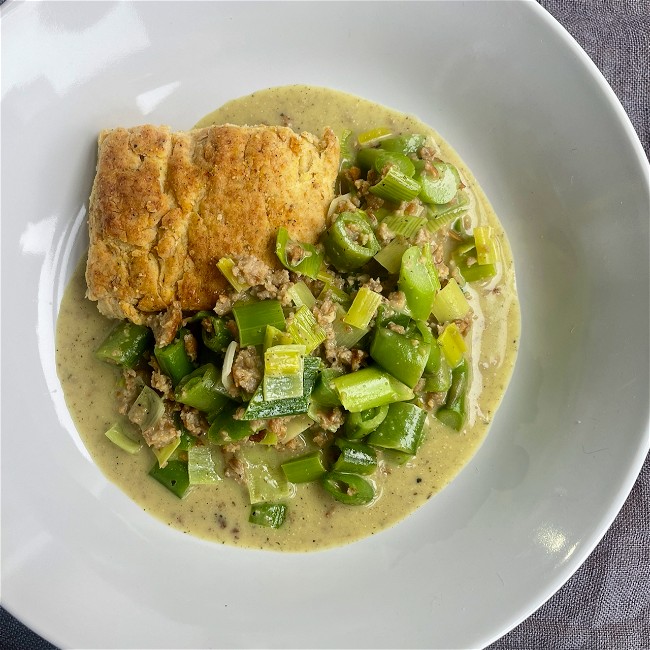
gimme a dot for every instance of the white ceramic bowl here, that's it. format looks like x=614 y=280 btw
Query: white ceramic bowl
x=558 y=158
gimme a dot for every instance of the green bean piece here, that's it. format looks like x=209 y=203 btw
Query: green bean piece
x=406 y=144
x=350 y=489
x=225 y=428
x=453 y=412
x=350 y=242
x=439 y=189
x=173 y=358
x=125 y=344
x=324 y=393
x=202 y=389
x=370 y=387
x=359 y=425
x=387 y=315
x=437 y=373
x=269 y=515
x=305 y=468
x=404 y=357
x=215 y=333
x=402 y=429
x=174 y=476
x=355 y=457
x=418 y=280
x=187 y=440
x=377 y=159
x=259 y=408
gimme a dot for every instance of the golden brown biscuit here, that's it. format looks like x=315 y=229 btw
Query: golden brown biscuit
x=166 y=206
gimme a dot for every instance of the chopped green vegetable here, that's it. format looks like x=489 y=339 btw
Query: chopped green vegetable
x=452 y=344
x=305 y=468
x=390 y=256
x=117 y=436
x=437 y=378
x=403 y=356
x=346 y=335
x=200 y=466
x=377 y=159
x=301 y=295
x=405 y=225
x=441 y=216
x=259 y=408
x=370 y=387
x=269 y=515
x=273 y=336
x=305 y=330
x=173 y=358
x=125 y=344
x=359 y=425
x=297 y=256
x=295 y=426
x=350 y=242
x=450 y=303
x=165 y=453
x=402 y=428
x=226 y=266
x=477 y=272
x=407 y=144
x=396 y=186
x=253 y=317
x=215 y=333
x=203 y=390
x=439 y=188
x=363 y=308
x=147 y=409
x=335 y=294
x=453 y=412
x=373 y=135
x=486 y=246
x=174 y=476
x=264 y=478
x=355 y=457
x=283 y=371
x=418 y=280
x=350 y=489
x=226 y=428
x=324 y=393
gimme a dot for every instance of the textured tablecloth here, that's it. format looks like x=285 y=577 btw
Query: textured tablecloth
x=606 y=604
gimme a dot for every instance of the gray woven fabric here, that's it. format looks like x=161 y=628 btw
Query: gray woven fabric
x=606 y=604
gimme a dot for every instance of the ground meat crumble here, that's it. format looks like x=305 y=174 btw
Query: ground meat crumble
x=247 y=369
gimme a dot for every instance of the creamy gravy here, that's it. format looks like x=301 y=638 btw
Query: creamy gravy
x=220 y=512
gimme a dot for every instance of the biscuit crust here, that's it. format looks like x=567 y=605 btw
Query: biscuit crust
x=165 y=206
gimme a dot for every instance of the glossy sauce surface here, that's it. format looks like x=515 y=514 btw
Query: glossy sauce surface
x=220 y=512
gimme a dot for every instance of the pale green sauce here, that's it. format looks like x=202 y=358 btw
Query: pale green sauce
x=220 y=513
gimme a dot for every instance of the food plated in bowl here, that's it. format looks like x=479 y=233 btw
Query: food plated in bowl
x=547 y=481
x=311 y=337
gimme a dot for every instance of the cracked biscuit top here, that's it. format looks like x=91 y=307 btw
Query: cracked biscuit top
x=165 y=207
